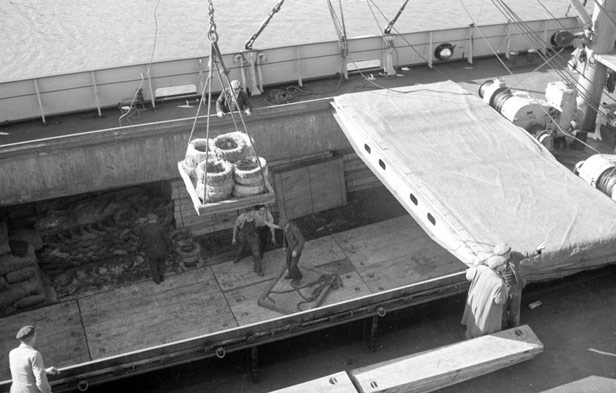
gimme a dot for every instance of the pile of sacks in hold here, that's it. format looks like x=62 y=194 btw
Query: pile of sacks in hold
x=228 y=169
x=23 y=285
x=93 y=243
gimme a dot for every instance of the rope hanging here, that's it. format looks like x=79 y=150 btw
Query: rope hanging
x=216 y=62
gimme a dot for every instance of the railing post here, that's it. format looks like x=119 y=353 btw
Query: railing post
x=98 y=104
x=40 y=102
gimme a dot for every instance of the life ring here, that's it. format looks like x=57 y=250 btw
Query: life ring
x=218 y=172
x=231 y=146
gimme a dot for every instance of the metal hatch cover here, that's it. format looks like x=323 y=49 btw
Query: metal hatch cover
x=473 y=179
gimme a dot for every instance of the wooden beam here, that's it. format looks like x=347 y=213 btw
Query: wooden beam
x=335 y=383
x=445 y=366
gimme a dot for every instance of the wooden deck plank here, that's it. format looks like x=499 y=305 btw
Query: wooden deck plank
x=144 y=314
x=353 y=286
x=334 y=383
x=364 y=233
x=395 y=253
x=60 y=336
x=243 y=303
x=231 y=276
x=435 y=369
x=320 y=251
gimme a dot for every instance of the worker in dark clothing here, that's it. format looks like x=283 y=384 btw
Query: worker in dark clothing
x=295 y=244
x=249 y=239
x=265 y=230
x=155 y=244
x=233 y=99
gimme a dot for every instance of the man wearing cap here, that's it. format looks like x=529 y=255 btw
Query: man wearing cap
x=295 y=245
x=28 y=372
x=483 y=313
x=513 y=281
x=155 y=244
x=233 y=99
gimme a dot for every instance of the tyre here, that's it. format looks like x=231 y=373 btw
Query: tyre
x=231 y=146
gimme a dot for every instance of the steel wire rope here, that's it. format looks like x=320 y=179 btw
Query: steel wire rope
x=584 y=93
x=132 y=103
x=529 y=36
x=551 y=14
x=536 y=42
x=370 y=5
x=514 y=17
x=565 y=75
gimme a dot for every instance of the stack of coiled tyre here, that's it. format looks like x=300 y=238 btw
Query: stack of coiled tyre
x=227 y=169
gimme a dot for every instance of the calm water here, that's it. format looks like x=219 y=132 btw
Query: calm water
x=46 y=37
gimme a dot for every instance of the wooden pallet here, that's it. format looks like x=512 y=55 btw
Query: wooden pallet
x=445 y=366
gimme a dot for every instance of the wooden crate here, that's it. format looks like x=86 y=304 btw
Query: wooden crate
x=309 y=189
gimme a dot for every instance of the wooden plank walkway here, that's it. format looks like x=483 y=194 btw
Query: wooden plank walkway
x=215 y=298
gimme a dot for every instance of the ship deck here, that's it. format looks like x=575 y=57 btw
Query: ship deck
x=143 y=326
x=204 y=303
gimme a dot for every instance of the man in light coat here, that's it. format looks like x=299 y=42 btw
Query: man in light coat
x=28 y=372
x=483 y=313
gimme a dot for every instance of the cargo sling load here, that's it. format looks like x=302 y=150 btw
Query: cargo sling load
x=224 y=173
x=472 y=179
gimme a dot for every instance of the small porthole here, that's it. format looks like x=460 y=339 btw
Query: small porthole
x=382 y=164
x=414 y=199
x=431 y=219
x=367 y=148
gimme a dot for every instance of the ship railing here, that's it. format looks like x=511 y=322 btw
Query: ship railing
x=94 y=90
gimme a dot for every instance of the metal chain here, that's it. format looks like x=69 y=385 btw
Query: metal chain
x=212 y=34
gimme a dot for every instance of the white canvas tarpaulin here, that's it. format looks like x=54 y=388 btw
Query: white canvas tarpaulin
x=473 y=179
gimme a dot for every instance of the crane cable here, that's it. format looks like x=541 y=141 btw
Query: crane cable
x=251 y=40
x=216 y=61
x=529 y=35
x=340 y=27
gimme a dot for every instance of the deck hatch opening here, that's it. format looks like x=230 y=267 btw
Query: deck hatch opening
x=414 y=199
x=367 y=148
x=382 y=164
